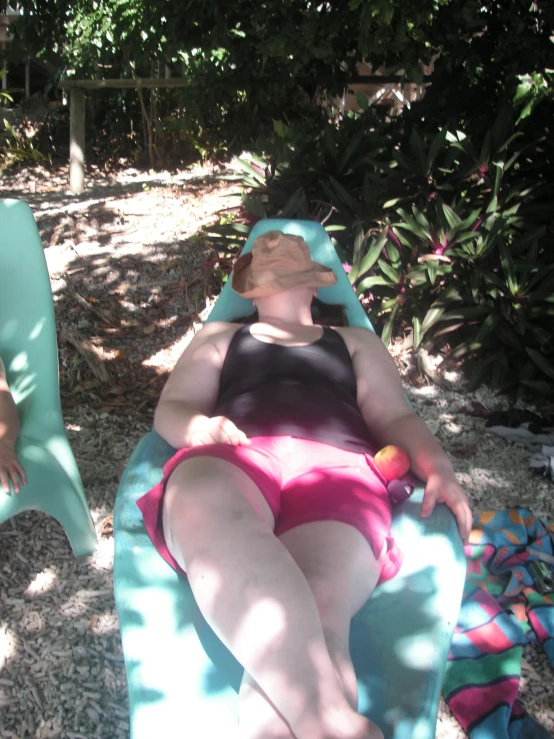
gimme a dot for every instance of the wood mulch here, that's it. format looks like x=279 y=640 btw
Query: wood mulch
x=132 y=280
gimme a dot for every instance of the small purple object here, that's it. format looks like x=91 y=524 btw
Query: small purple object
x=400 y=490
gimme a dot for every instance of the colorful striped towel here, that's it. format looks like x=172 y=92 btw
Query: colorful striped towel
x=501 y=611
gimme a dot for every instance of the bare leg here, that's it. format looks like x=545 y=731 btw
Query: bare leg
x=342 y=572
x=253 y=594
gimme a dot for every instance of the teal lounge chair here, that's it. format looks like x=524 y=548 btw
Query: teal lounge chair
x=28 y=349
x=182 y=681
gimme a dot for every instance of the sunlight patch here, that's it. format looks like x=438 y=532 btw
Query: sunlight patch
x=170 y=354
x=8 y=644
x=42 y=583
x=103 y=556
x=267 y=618
x=37 y=329
x=102 y=624
x=427 y=391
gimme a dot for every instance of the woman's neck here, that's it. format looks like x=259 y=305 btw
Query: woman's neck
x=291 y=308
x=282 y=320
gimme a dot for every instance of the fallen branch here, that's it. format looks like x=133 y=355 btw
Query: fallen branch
x=97 y=311
x=91 y=354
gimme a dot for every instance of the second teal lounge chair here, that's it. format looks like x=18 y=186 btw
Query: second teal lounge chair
x=28 y=348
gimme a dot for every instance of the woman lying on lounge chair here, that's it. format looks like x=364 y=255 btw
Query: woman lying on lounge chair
x=273 y=506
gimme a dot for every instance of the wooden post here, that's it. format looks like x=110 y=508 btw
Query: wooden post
x=27 y=79
x=4 y=65
x=77 y=140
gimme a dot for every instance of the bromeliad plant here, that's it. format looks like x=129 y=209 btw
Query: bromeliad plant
x=501 y=321
x=409 y=262
x=443 y=235
x=479 y=288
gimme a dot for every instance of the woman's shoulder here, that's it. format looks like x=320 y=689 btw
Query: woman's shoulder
x=357 y=336
x=218 y=333
x=217 y=328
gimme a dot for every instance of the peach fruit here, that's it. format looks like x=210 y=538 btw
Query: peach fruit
x=392 y=462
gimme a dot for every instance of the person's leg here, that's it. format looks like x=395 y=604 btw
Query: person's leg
x=342 y=572
x=219 y=528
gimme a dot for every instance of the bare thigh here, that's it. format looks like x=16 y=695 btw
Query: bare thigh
x=338 y=563
x=203 y=491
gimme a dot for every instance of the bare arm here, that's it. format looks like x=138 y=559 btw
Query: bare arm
x=391 y=421
x=183 y=416
x=10 y=469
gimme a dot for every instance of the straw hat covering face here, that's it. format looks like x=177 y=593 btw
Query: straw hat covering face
x=278 y=262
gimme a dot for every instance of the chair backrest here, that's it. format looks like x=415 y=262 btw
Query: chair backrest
x=28 y=343
x=321 y=250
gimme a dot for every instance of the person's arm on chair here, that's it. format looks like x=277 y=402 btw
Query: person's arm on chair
x=10 y=468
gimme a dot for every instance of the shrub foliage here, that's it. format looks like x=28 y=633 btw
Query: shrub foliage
x=447 y=233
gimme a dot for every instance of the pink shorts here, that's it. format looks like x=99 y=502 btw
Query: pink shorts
x=334 y=485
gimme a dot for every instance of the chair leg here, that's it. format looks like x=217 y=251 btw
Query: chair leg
x=50 y=490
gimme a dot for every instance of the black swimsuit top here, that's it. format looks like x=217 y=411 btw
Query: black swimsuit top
x=304 y=391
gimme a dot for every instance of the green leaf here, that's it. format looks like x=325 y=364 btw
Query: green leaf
x=254 y=205
x=526 y=111
x=394 y=255
x=423 y=222
x=372 y=254
x=436 y=146
x=493 y=205
x=370 y=282
x=541 y=362
x=465 y=313
x=362 y=101
x=523 y=90
x=343 y=194
x=389 y=325
x=432 y=316
x=452 y=218
x=281 y=129
x=246 y=167
x=357 y=251
x=416 y=145
x=417 y=332
x=489 y=325
x=432 y=268
x=485 y=154
x=508 y=268
x=350 y=150
x=410 y=224
x=295 y=205
x=404 y=240
x=466 y=347
x=498 y=178
x=388 y=271
x=471 y=220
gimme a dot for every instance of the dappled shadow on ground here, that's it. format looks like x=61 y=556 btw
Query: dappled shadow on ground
x=117 y=313
x=130 y=275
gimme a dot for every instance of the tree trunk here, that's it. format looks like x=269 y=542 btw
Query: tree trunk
x=147 y=122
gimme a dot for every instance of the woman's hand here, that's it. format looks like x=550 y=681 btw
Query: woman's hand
x=215 y=430
x=10 y=469
x=442 y=487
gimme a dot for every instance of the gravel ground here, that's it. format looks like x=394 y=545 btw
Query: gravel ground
x=61 y=664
